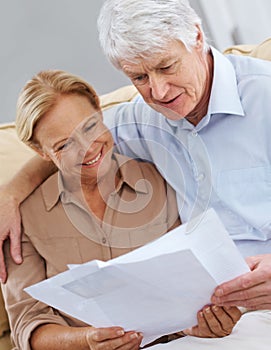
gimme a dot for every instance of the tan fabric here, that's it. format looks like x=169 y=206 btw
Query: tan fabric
x=262 y=50
x=55 y=235
x=4 y=326
x=5 y=343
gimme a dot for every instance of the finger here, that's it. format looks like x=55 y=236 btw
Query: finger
x=15 y=241
x=134 y=344
x=3 y=271
x=240 y=297
x=128 y=340
x=257 y=303
x=245 y=282
x=239 y=283
x=201 y=330
x=215 y=316
x=102 y=334
x=253 y=261
x=234 y=313
x=226 y=320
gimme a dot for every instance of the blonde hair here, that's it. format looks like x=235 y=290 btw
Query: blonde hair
x=40 y=95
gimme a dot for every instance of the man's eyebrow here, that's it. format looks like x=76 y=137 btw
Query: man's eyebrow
x=163 y=61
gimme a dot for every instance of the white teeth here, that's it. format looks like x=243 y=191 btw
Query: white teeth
x=94 y=160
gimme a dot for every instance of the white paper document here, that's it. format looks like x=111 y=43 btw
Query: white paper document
x=156 y=289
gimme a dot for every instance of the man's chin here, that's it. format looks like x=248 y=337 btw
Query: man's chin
x=167 y=112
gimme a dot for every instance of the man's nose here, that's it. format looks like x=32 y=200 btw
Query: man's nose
x=159 y=87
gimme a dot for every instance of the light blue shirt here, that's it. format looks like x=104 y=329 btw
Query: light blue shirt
x=225 y=161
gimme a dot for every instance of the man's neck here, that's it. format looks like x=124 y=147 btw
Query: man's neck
x=202 y=107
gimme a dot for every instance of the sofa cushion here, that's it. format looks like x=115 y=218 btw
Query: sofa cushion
x=262 y=50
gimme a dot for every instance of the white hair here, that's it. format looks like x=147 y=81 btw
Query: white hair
x=129 y=29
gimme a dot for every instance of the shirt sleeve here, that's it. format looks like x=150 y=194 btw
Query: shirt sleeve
x=172 y=209
x=26 y=313
x=127 y=123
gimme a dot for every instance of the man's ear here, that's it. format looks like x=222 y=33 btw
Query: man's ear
x=40 y=152
x=199 y=41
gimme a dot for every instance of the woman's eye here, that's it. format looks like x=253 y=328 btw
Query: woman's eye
x=64 y=146
x=91 y=126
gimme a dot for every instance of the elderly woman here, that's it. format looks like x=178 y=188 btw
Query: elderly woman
x=98 y=205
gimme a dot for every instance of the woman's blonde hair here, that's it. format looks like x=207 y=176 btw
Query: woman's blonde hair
x=40 y=95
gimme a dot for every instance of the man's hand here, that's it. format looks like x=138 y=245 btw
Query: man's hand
x=10 y=227
x=113 y=338
x=251 y=290
x=214 y=322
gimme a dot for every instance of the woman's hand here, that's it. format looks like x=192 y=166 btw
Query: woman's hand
x=113 y=338
x=10 y=227
x=215 y=322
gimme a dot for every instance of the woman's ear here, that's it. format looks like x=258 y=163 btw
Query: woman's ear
x=40 y=152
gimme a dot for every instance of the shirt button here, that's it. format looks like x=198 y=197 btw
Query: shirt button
x=200 y=177
x=103 y=240
x=194 y=133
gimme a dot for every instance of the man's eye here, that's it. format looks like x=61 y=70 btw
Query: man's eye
x=140 y=79
x=168 y=68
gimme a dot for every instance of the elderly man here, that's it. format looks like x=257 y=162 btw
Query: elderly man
x=203 y=119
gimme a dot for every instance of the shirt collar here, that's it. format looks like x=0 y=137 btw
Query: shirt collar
x=224 y=93
x=130 y=173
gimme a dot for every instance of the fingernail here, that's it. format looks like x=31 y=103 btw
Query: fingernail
x=18 y=259
x=133 y=336
x=187 y=331
x=215 y=308
x=208 y=310
x=120 y=332
x=219 y=292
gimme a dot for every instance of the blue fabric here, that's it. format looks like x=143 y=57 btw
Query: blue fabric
x=225 y=161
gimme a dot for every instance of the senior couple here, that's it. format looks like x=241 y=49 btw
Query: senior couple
x=195 y=119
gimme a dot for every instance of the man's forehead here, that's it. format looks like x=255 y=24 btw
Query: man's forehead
x=140 y=63
x=156 y=58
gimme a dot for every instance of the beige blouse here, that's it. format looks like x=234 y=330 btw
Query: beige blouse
x=58 y=230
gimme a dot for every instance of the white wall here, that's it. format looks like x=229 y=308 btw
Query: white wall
x=229 y=22
x=59 y=34
x=41 y=34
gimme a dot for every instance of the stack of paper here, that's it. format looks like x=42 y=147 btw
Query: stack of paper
x=156 y=289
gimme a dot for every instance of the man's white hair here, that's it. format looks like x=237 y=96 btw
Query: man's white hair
x=129 y=29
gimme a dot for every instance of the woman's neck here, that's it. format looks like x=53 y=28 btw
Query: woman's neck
x=95 y=194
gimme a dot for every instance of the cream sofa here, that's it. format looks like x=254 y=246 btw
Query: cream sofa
x=13 y=153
